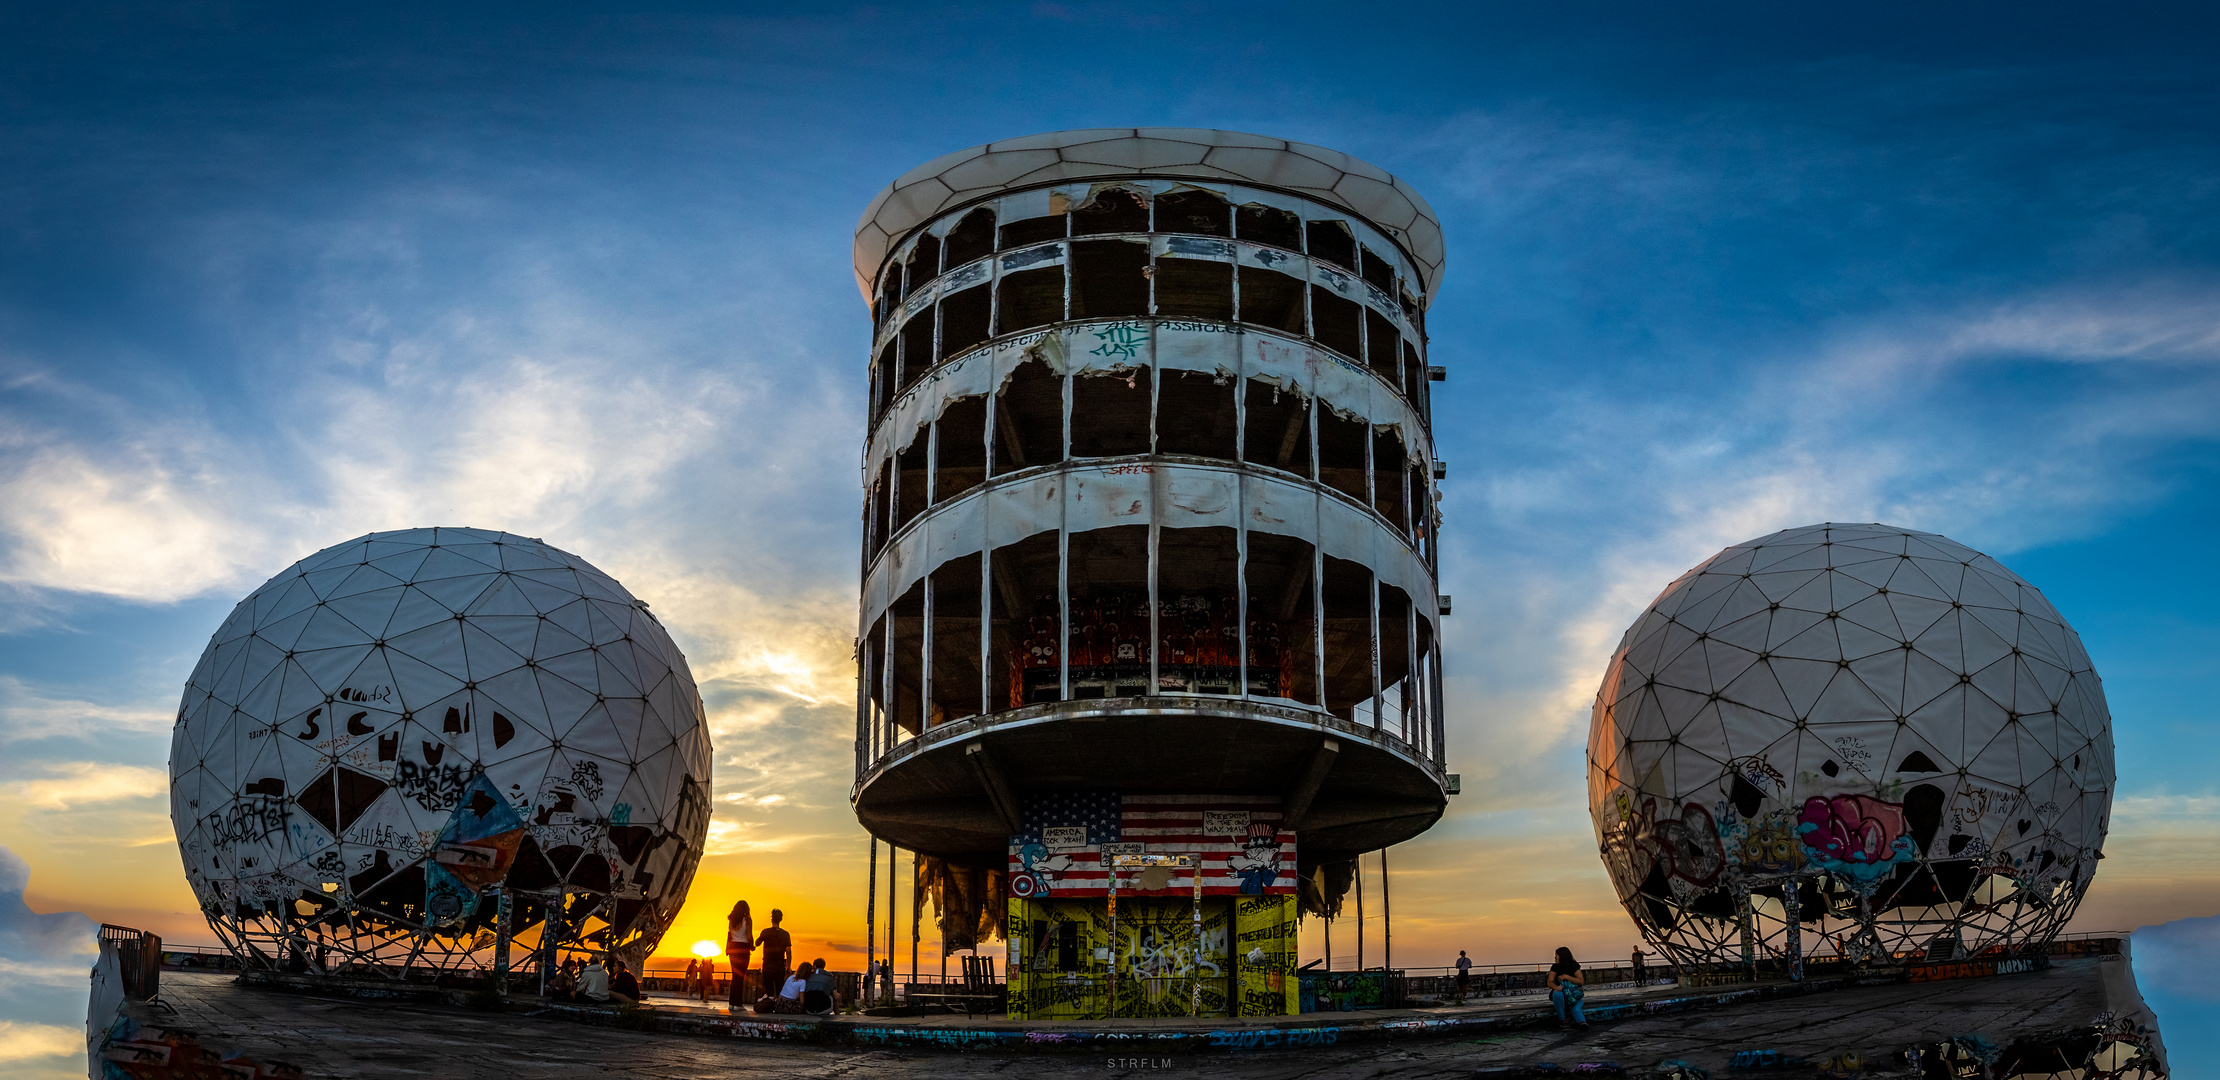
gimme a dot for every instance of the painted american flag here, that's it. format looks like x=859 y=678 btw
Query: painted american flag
x=1236 y=838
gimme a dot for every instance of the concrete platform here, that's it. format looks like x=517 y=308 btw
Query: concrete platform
x=349 y=1037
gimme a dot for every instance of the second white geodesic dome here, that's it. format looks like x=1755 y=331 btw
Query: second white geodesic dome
x=1894 y=725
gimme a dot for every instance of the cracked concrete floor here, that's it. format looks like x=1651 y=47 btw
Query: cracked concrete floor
x=340 y=1039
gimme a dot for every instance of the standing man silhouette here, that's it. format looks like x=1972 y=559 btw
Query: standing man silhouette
x=778 y=953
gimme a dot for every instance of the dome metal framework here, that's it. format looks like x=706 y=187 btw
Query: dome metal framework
x=1850 y=739
x=412 y=747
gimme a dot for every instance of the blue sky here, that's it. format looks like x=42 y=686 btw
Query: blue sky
x=271 y=278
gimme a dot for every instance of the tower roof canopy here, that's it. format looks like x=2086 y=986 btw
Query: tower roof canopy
x=1315 y=172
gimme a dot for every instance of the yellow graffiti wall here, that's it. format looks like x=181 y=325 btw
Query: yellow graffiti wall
x=1061 y=957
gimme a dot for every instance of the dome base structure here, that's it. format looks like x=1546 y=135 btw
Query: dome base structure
x=1849 y=740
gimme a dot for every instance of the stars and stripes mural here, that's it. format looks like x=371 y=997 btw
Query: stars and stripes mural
x=1237 y=839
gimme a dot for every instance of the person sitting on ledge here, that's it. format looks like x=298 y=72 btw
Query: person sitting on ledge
x=1566 y=987
x=623 y=984
x=789 y=997
x=817 y=989
x=562 y=983
x=593 y=983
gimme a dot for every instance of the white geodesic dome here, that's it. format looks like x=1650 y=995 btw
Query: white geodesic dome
x=392 y=729
x=1894 y=724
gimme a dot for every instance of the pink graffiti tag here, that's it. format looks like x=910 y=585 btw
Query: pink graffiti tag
x=1858 y=836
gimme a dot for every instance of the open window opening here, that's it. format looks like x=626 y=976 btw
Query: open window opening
x=1110 y=612
x=1374 y=268
x=1030 y=298
x=1346 y=595
x=963 y=319
x=960 y=448
x=1422 y=509
x=1117 y=405
x=917 y=347
x=1272 y=299
x=882 y=380
x=1277 y=431
x=1194 y=211
x=1399 y=696
x=1109 y=278
x=1260 y=224
x=907 y=619
x=1029 y=419
x=912 y=466
x=972 y=238
x=1333 y=242
x=1381 y=339
x=1418 y=700
x=890 y=297
x=1196 y=415
x=923 y=264
x=1283 y=625
x=955 y=642
x=1334 y=322
x=1198 y=612
x=1023 y=231
x=870 y=669
x=1341 y=446
x=1117 y=210
x=1414 y=378
x=876 y=511
x=1194 y=288
x=1388 y=459
x=1026 y=623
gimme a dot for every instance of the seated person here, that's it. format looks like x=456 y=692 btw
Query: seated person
x=789 y=997
x=593 y=983
x=624 y=984
x=562 y=983
x=817 y=989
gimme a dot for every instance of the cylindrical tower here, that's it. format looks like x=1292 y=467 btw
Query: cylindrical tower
x=1149 y=550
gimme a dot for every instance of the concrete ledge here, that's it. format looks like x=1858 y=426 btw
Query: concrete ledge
x=1312 y=1030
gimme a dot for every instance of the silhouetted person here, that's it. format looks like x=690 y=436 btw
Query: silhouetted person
x=817 y=988
x=739 y=945
x=778 y=953
x=622 y=983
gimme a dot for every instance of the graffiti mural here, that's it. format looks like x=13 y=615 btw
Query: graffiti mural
x=1238 y=840
x=1857 y=836
x=1062 y=952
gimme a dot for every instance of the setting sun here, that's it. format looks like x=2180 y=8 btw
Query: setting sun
x=705 y=947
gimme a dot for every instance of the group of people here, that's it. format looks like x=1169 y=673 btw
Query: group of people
x=785 y=987
x=806 y=987
x=593 y=981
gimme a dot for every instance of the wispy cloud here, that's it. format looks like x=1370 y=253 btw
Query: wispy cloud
x=27 y=713
x=66 y=785
x=21 y=1041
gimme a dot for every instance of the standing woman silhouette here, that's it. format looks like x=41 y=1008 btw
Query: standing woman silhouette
x=739 y=947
